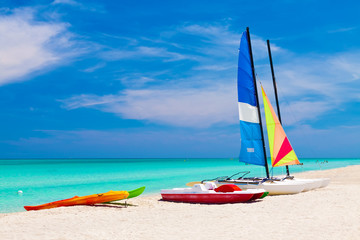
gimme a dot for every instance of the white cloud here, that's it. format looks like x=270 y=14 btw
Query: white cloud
x=86 y=7
x=309 y=85
x=300 y=111
x=27 y=45
x=137 y=80
x=141 y=52
x=221 y=45
x=70 y=2
x=347 y=29
x=216 y=67
x=226 y=41
x=181 y=107
x=211 y=33
x=95 y=67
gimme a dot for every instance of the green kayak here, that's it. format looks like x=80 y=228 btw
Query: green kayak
x=136 y=192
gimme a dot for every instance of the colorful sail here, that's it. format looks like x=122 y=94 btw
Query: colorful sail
x=281 y=151
x=251 y=150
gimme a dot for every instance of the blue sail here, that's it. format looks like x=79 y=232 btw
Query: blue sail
x=251 y=150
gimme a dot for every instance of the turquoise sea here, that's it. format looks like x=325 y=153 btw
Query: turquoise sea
x=47 y=180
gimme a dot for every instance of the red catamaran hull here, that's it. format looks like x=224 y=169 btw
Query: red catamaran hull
x=209 y=197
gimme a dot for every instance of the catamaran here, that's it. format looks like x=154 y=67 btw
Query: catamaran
x=252 y=137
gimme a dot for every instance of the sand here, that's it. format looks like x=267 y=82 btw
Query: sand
x=327 y=213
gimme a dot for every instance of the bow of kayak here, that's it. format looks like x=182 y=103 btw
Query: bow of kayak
x=136 y=192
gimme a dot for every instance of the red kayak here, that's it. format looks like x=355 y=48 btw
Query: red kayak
x=208 y=193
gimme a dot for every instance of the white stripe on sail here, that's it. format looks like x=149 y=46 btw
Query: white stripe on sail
x=248 y=113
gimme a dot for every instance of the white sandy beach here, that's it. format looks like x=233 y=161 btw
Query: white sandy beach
x=328 y=213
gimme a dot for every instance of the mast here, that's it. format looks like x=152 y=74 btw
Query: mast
x=257 y=98
x=275 y=90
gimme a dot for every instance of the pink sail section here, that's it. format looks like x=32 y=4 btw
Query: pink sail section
x=284 y=150
x=281 y=151
x=279 y=137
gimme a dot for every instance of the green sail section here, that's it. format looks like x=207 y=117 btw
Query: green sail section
x=270 y=123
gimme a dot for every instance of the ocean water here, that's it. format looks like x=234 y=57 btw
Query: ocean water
x=47 y=180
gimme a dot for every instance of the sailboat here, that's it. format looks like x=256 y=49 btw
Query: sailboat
x=252 y=136
x=252 y=149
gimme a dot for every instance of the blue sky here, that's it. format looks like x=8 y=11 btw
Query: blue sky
x=158 y=78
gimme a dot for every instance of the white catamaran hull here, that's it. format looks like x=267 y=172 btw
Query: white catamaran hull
x=325 y=182
x=274 y=187
x=311 y=184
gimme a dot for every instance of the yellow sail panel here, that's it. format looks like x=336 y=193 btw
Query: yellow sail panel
x=270 y=124
x=289 y=159
x=281 y=150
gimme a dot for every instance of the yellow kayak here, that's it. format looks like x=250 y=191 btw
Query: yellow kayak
x=85 y=200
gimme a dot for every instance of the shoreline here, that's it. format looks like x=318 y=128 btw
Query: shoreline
x=308 y=174
x=325 y=213
x=90 y=179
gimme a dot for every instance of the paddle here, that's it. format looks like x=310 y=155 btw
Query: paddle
x=122 y=204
